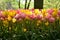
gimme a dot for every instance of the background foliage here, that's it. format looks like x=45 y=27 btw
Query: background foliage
x=52 y=4
x=13 y=4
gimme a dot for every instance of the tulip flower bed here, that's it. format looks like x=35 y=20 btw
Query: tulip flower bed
x=33 y=24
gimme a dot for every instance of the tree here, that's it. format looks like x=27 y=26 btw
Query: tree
x=19 y=3
x=38 y=4
x=9 y=5
x=28 y=4
x=25 y=4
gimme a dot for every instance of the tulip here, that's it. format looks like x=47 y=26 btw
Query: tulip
x=47 y=23
x=9 y=18
x=33 y=16
x=50 y=11
x=24 y=29
x=27 y=12
x=19 y=19
x=39 y=17
x=18 y=11
x=13 y=20
x=11 y=13
x=51 y=19
x=2 y=18
x=17 y=16
x=48 y=16
x=22 y=15
x=1 y=14
x=36 y=11
x=5 y=23
x=43 y=11
x=32 y=10
x=58 y=12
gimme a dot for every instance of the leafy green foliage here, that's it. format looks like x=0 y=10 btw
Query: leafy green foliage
x=13 y=4
x=52 y=4
x=33 y=32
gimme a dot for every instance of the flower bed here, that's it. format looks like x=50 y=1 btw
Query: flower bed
x=33 y=24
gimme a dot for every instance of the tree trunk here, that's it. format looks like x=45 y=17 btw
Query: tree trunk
x=38 y=4
x=28 y=4
x=19 y=4
x=25 y=3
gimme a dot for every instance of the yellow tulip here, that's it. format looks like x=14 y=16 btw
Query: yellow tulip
x=5 y=13
x=11 y=13
x=27 y=12
x=54 y=14
x=55 y=10
x=57 y=18
x=10 y=28
x=9 y=18
x=13 y=20
x=5 y=23
x=46 y=14
x=38 y=22
x=24 y=29
x=22 y=10
x=27 y=18
x=43 y=11
x=47 y=23
x=36 y=11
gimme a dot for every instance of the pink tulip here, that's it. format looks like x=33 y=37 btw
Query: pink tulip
x=0 y=13
x=17 y=16
x=22 y=15
x=48 y=16
x=59 y=13
x=33 y=16
x=32 y=10
x=51 y=19
x=39 y=17
x=50 y=11
x=2 y=18
x=18 y=11
x=19 y=19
